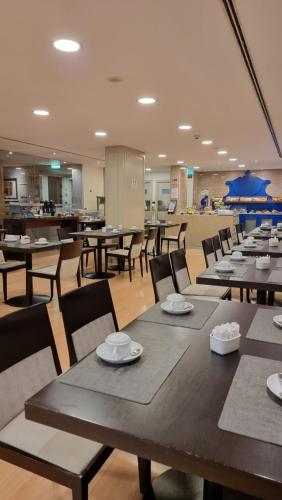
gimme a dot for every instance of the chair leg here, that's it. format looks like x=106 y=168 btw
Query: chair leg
x=129 y=269
x=167 y=246
x=80 y=491
x=241 y=295
x=29 y=288
x=106 y=261
x=52 y=288
x=141 y=265
x=5 y=287
x=82 y=265
x=95 y=260
x=146 y=261
x=184 y=243
x=58 y=285
x=87 y=255
x=78 y=278
x=144 y=468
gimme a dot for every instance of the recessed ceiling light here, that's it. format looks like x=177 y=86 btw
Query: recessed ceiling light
x=148 y=169
x=66 y=45
x=100 y=133
x=206 y=142
x=146 y=100
x=222 y=152
x=18 y=168
x=196 y=167
x=10 y=152
x=183 y=168
x=162 y=155
x=22 y=173
x=185 y=126
x=69 y=168
x=241 y=165
x=54 y=153
x=41 y=112
x=64 y=162
x=180 y=162
x=232 y=159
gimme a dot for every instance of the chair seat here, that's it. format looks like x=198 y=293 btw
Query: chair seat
x=206 y=290
x=121 y=252
x=11 y=265
x=49 y=270
x=65 y=450
x=89 y=249
x=170 y=237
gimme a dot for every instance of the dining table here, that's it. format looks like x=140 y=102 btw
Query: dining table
x=245 y=275
x=260 y=247
x=180 y=419
x=161 y=227
x=101 y=237
x=26 y=250
x=263 y=234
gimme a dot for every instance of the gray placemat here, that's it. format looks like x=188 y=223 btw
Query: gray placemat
x=248 y=409
x=138 y=381
x=196 y=319
x=279 y=262
x=275 y=277
x=247 y=260
x=262 y=327
x=238 y=272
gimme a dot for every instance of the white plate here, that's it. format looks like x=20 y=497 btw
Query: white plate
x=166 y=306
x=274 y=385
x=277 y=320
x=104 y=353
x=220 y=269
x=41 y=243
x=250 y=245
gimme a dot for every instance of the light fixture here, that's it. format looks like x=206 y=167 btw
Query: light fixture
x=54 y=153
x=69 y=168
x=183 y=168
x=22 y=173
x=100 y=133
x=206 y=142
x=146 y=100
x=222 y=152
x=185 y=126
x=64 y=162
x=196 y=167
x=41 y=112
x=148 y=169
x=232 y=159
x=241 y=165
x=10 y=152
x=162 y=155
x=180 y=162
x=18 y=168
x=66 y=45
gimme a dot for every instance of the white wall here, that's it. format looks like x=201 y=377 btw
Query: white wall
x=93 y=185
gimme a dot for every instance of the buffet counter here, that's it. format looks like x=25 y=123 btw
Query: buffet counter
x=201 y=227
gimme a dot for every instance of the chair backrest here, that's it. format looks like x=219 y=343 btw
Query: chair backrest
x=151 y=239
x=28 y=358
x=136 y=244
x=162 y=277
x=63 y=234
x=182 y=231
x=180 y=269
x=223 y=241
x=239 y=232
x=217 y=247
x=229 y=238
x=209 y=253
x=70 y=254
x=87 y=326
x=2 y=258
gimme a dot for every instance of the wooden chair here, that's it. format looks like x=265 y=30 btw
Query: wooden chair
x=86 y=327
x=224 y=242
x=229 y=238
x=162 y=277
x=28 y=362
x=149 y=247
x=6 y=267
x=183 y=281
x=67 y=267
x=128 y=255
x=239 y=232
x=179 y=239
x=209 y=253
x=64 y=237
x=217 y=247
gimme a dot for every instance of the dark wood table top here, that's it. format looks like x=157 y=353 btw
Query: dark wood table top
x=99 y=234
x=179 y=427
x=253 y=278
x=262 y=248
x=263 y=235
x=27 y=247
x=160 y=224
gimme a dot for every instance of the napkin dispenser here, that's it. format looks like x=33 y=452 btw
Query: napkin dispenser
x=263 y=262
x=225 y=338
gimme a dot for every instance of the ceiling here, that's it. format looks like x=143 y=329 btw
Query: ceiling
x=183 y=53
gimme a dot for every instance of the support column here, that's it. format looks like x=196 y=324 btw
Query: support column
x=124 y=186
x=190 y=186
x=2 y=203
x=178 y=186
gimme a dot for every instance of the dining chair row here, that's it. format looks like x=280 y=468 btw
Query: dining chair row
x=170 y=274
x=28 y=362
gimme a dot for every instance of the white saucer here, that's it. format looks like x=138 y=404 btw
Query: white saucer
x=220 y=269
x=235 y=259
x=250 y=245
x=104 y=353
x=41 y=243
x=277 y=320
x=166 y=306
x=274 y=385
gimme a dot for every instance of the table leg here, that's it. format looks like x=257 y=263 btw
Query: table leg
x=99 y=274
x=158 y=242
x=261 y=297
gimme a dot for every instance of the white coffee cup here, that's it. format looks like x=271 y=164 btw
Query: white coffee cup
x=224 y=264
x=88 y=229
x=120 y=226
x=104 y=229
x=119 y=345
x=110 y=226
x=176 y=300
x=250 y=239
x=237 y=254
x=42 y=240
